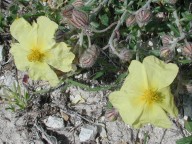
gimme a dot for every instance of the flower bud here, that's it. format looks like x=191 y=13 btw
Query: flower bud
x=79 y=19
x=25 y=78
x=52 y=3
x=89 y=57
x=166 y=39
x=142 y=17
x=126 y=55
x=5 y=4
x=130 y=20
x=111 y=114
x=59 y=35
x=78 y=3
x=166 y=53
x=187 y=50
x=67 y=11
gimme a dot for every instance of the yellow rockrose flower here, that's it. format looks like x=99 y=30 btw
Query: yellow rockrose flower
x=37 y=50
x=145 y=96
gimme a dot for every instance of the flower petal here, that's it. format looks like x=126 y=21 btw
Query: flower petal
x=42 y=71
x=46 y=31
x=159 y=73
x=25 y=33
x=20 y=56
x=168 y=103
x=128 y=109
x=154 y=115
x=61 y=58
x=136 y=82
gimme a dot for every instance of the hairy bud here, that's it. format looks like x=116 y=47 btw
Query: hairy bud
x=166 y=39
x=187 y=50
x=79 y=19
x=166 y=53
x=126 y=55
x=59 y=35
x=130 y=20
x=89 y=57
x=142 y=17
x=67 y=11
x=111 y=114
x=78 y=3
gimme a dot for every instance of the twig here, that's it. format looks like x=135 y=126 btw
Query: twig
x=164 y=132
x=104 y=30
x=105 y=47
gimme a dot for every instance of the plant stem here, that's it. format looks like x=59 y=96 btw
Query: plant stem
x=104 y=30
x=121 y=20
x=97 y=9
x=182 y=34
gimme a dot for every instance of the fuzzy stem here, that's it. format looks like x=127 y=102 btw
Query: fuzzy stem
x=119 y=23
x=182 y=34
x=104 y=30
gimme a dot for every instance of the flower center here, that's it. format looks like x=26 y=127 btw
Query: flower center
x=35 y=55
x=150 y=96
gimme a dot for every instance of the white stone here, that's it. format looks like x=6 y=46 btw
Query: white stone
x=54 y=122
x=87 y=133
x=150 y=43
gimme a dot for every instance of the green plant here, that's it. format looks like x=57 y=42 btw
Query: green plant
x=15 y=98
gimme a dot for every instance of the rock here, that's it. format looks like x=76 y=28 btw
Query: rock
x=54 y=122
x=87 y=133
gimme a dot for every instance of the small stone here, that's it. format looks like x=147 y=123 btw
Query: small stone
x=76 y=99
x=150 y=43
x=64 y=115
x=87 y=133
x=54 y=122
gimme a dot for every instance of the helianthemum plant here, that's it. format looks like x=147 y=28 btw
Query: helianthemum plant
x=37 y=50
x=145 y=96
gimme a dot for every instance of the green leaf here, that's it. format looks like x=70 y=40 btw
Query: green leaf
x=86 y=8
x=109 y=105
x=104 y=19
x=185 y=140
x=174 y=29
x=98 y=75
x=185 y=61
x=186 y=16
x=188 y=125
x=155 y=52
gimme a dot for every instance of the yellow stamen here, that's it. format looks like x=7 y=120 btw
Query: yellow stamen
x=36 y=55
x=151 y=96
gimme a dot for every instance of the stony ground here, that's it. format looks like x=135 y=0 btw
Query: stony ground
x=75 y=116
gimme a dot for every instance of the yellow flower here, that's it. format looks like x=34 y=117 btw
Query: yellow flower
x=37 y=50
x=145 y=96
